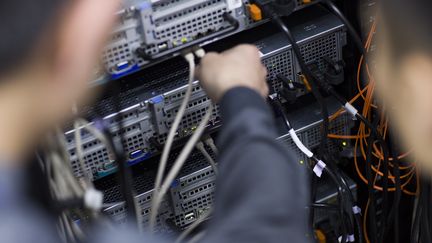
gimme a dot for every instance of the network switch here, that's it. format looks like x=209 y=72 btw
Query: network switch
x=150 y=29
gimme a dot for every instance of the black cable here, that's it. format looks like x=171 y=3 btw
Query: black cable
x=425 y=224
x=414 y=237
x=330 y=90
x=359 y=44
x=351 y=30
x=357 y=216
x=341 y=201
x=325 y=206
x=123 y=174
x=313 y=199
x=64 y=204
x=372 y=204
x=351 y=204
x=310 y=77
x=346 y=204
x=394 y=212
x=374 y=132
x=333 y=176
x=373 y=127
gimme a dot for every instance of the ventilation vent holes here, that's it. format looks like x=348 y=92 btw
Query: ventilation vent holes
x=314 y=51
x=117 y=54
x=278 y=64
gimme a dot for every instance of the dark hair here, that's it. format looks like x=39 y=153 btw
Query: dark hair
x=407 y=25
x=21 y=24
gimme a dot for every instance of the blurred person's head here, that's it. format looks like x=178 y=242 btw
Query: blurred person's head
x=48 y=51
x=52 y=33
x=404 y=72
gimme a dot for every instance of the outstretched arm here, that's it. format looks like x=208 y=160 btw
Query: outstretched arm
x=261 y=189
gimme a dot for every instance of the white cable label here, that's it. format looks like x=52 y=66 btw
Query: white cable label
x=356 y=210
x=351 y=109
x=299 y=144
x=350 y=238
x=319 y=167
x=233 y=4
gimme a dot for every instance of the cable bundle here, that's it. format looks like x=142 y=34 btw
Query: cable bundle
x=376 y=160
x=161 y=188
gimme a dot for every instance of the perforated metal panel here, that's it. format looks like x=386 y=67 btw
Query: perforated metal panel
x=196 y=180
x=287 y=140
x=158 y=28
x=116 y=54
x=325 y=46
x=280 y=63
x=279 y=58
x=191 y=21
x=161 y=26
x=136 y=132
x=341 y=125
x=164 y=112
x=193 y=191
x=311 y=135
x=118 y=212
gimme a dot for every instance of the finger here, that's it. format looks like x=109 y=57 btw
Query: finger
x=264 y=71
x=209 y=57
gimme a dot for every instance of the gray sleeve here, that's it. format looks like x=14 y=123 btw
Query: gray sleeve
x=261 y=190
x=20 y=221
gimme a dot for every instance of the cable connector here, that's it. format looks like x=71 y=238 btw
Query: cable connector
x=189 y=57
x=200 y=53
x=210 y=142
x=273 y=7
x=201 y=148
x=93 y=199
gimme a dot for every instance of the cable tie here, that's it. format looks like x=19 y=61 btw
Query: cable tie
x=319 y=167
x=356 y=209
x=299 y=144
x=351 y=109
x=93 y=199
